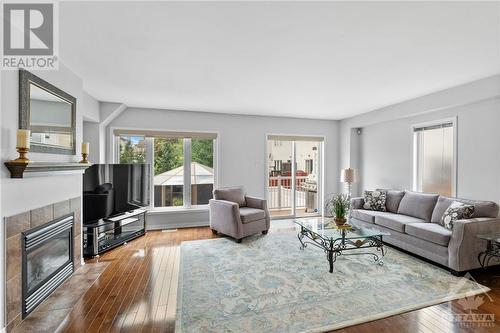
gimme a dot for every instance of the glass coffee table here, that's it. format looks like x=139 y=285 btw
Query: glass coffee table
x=492 y=250
x=344 y=240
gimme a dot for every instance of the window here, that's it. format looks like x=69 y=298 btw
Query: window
x=168 y=173
x=182 y=164
x=132 y=149
x=277 y=165
x=202 y=171
x=435 y=158
x=309 y=165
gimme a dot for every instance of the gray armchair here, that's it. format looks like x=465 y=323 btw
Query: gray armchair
x=234 y=214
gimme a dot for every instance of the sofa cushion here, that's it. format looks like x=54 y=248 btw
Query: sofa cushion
x=431 y=232
x=233 y=194
x=363 y=215
x=419 y=205
x=374 y=200
x=248 y=214
x=357 y=203
x=481 y=208
x=396 y=221
x=367 y=215
x=393 y=199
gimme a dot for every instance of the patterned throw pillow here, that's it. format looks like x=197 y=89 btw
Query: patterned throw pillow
x=375 y=200
x=456 y=211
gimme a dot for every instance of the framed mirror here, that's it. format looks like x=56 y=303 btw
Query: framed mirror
x=49 y=113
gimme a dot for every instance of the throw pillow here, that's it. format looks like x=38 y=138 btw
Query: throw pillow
x=456 y=211
x=375 y=200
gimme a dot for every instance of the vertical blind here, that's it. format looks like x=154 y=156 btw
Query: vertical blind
x=434 y=154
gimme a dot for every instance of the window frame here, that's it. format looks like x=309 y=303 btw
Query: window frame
x=187 y=136
x=416 y=149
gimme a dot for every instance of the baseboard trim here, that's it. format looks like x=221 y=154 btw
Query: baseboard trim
x=164 y=226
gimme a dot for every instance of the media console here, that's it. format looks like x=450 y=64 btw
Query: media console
x=105 y=234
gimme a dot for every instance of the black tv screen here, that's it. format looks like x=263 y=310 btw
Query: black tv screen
x=111 y=189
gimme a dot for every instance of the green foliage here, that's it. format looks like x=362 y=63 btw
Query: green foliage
x=168 y=154
x=132 y=154
x=177 y=201
x=340 y=205
x=202 y=151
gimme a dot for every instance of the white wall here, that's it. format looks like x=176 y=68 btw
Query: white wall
x=97 y=117
x=242 y=145
x=385 y=146
x=19 y=195
x=92 y=134
x=90 y=108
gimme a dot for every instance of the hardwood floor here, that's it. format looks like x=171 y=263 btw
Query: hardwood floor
x=137 y=293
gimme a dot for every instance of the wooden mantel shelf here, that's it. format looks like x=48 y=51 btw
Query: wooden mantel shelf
x=38 y=169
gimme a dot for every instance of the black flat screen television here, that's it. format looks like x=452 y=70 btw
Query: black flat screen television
x=112 y=189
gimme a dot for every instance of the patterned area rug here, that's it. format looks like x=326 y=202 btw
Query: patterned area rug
x=267 y=284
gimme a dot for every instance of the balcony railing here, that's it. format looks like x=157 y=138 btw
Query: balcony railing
x=279 y=192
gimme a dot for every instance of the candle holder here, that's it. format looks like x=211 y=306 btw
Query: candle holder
x=22 y=156
x=17 y=166
x=84 y=158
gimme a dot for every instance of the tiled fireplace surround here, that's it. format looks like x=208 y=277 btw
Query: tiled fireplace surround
x=14 y=226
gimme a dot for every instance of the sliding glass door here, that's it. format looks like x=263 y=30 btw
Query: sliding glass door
x=280 y=186
x=307 y=178
x=294 y=176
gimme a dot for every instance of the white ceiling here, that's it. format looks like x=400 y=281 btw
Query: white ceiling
x=310 y=60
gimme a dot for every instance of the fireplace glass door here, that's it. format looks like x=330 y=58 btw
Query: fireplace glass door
x=46 y=259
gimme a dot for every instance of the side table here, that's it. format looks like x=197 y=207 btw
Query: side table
x=492 y=249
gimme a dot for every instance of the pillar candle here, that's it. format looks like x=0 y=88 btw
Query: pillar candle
x=23 y=138
x=85 y=147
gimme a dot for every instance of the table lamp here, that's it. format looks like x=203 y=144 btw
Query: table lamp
x=348 y=176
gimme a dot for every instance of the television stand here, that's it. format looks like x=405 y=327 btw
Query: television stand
x=105 y=234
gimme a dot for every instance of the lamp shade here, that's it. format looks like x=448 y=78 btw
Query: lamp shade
x=348 y=175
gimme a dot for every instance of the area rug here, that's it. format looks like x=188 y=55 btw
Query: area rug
x=267 y=284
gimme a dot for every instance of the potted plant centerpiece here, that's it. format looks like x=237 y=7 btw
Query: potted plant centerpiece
x=340 y=206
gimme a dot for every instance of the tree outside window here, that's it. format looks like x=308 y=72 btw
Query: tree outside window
x=168 y=157
x=132 y=149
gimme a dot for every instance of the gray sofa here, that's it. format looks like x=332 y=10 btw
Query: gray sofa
x=412 y=219
x=235 y=214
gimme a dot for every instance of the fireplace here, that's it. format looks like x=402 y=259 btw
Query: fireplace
x=47 y=260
